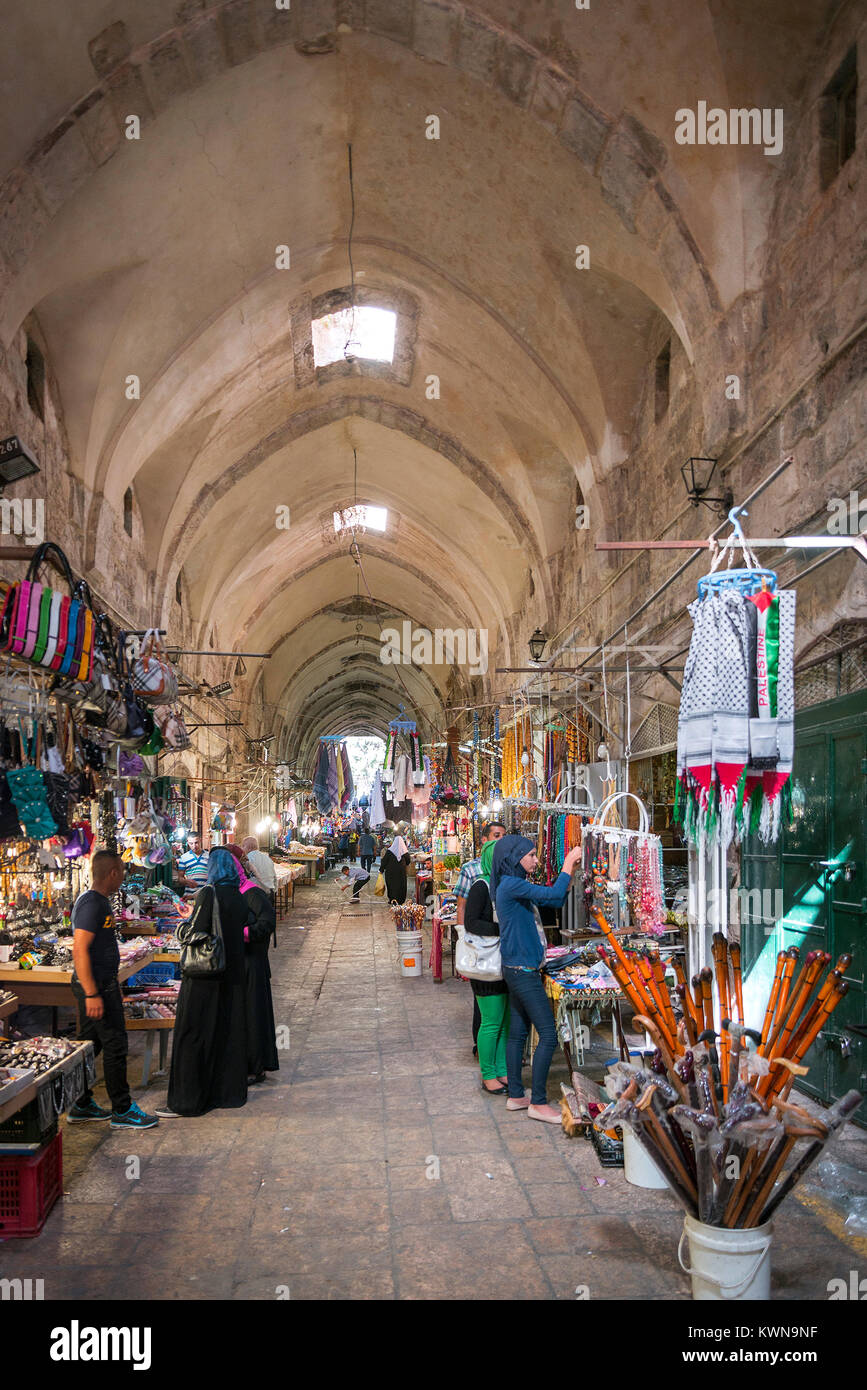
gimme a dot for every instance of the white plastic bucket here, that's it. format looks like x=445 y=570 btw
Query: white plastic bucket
x=638 y=1167
x=727 y=1265
x=410 y=944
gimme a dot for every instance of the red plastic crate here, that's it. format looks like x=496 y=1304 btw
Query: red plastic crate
x=29 y=1187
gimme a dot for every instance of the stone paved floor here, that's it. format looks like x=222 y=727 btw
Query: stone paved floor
x=321 y=1183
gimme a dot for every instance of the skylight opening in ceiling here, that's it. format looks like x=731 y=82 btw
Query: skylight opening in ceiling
x=362 y=516
x=360 y=332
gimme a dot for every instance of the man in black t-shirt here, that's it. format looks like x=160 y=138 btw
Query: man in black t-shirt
x=96 y=958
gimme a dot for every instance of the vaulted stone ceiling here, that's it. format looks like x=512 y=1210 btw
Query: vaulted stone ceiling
x=156 y=257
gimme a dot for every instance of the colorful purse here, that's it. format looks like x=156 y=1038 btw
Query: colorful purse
x=27 y=788
x=152 y=677
x=45 y=626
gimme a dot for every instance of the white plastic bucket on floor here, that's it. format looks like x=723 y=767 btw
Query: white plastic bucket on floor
x=409 y=944
x=727 y=1265
x=638 y=1167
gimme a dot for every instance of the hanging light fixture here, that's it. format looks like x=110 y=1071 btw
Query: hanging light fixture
x=537 y=644
x=698 y=474
x=16 y=461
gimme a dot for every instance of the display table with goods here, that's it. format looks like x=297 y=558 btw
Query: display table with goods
x=287 y=876
x=40 y=1078
x=309 y=857
x=583 y=992
x=52 y=984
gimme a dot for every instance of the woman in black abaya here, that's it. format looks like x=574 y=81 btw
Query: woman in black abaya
x=209 y=1050
x=393 y=865
x=261 y=925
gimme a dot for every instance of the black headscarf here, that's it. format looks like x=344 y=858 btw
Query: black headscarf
x=508 y=853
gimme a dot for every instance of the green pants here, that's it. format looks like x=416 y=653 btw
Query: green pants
x=493 y=1033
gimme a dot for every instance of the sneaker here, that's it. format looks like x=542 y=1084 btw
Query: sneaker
x=88 y=1111
x=163 y=1112
x=134 y=1118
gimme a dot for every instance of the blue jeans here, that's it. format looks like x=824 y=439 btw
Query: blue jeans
x=529 y=1005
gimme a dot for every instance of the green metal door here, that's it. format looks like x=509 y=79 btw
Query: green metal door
x=818 y=867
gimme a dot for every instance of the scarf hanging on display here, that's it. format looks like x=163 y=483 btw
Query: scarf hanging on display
x=348 y=785
x=735 y=737
x=377 y=803
x=388 y=762
x=418 y=773
x=331 y=777
x=320 y=780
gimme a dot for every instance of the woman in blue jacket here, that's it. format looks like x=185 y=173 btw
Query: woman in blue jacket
x=522 y=947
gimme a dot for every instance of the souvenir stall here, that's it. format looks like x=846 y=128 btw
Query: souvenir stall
x=82 y=712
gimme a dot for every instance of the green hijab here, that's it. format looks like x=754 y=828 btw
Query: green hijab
x=485 y=858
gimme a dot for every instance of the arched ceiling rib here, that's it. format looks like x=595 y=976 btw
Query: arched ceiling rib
x=156 y=258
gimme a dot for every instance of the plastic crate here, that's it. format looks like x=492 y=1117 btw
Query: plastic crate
x=34 y=1124
x=29 y=1187
x=157 y=973
x=608 y=1151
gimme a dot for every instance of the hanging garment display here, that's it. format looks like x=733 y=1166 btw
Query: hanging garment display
x=331 y=777
x=735 y=737
x=348 y=783
x=377 y=804
x=320 y=780
x=401 y=786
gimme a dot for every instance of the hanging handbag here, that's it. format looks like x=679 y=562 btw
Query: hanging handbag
x=151 y=676
x=478 y=957
x=45 y=626
x=27 y=787
x=203 y=951
x=172 y=727
x=379 y=887
x=139 y=722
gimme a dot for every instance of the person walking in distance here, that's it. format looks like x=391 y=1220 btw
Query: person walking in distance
x=96 y=958
x=366 y=850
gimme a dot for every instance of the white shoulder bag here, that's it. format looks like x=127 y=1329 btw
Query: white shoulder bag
x=478 y=957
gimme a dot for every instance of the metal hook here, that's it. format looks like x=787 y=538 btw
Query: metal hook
x=733 y=518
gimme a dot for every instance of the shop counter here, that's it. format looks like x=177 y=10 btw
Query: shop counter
x=52 y=984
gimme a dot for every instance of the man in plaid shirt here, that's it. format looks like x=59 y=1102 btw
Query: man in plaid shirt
x=470 y=871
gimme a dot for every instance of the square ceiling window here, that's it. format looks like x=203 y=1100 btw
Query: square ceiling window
x=361 y=517
x=359 y=332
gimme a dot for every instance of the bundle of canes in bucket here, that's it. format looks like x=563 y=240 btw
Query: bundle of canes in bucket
x=408 y=916
x=711 y=1105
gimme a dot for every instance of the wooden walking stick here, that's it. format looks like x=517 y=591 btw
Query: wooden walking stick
x=832 y=1122
x=772 y=998
x=697 y=1003
x=672 y=1157
x=707 y=997
x=782 y=997
x=803 y=988
x=657 y=969
x=735 y=958
x=688 y=1019
x=719 y=949
x=776 y=1162
x=806 y=1040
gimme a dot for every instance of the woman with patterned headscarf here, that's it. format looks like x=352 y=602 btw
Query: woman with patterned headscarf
x=260 y=926
x=209 y=1051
